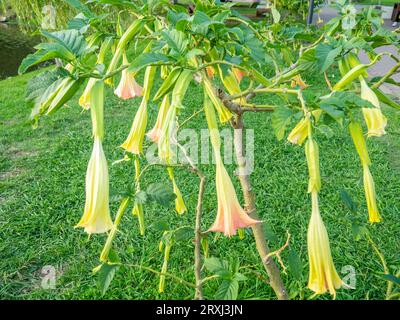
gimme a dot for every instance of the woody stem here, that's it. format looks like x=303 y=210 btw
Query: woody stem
x=249 y=197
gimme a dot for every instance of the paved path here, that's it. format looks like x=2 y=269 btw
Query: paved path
x=381 y=67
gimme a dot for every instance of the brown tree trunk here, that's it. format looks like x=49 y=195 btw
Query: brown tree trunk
x=249 y=197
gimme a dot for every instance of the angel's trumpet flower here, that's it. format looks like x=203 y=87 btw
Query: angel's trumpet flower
x=323 y=276
x=154 y=134
x=369 y=185
x=96 y=217
x=230 y=215
x=128 y=87
x=134 y=141
x=300 y=132
x=374 y=118
x=84 y=100
x=180 y=206
x=167 y=136
x=370 y=196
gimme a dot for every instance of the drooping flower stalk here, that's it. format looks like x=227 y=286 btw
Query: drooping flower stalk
x=374 y=118
x=134 y=141
x=84 y=100
x=369 y=185
x=107 y=247
x=138 y=207
x=230 y=215
x=96 y=217
x=164 y=268
x=128 y=88
x=322 y=273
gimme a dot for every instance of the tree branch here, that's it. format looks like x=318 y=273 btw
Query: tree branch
x=250 y=207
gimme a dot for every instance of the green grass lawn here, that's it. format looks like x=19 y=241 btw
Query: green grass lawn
x=378 y=2
x=42 y=176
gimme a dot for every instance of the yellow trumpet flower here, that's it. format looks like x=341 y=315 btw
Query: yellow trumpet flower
x=369 y=185
x=84 y=100
x=374 y=118
x=323 y=276
x=134 y=142
x=96 y=217
x=154 y=134
x=230 y=215
x=128 y=87
x=180 y=206
x=300 y=132
x=370 y=195
x=359 y=142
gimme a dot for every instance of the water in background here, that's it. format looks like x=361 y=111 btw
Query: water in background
x=14 y=46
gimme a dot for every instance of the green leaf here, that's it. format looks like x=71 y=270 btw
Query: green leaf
x=240 y=277
x=214 y=264
x=39 y=83
x=280 y=119
x=194 y=53
x=386 y=100
x=35 y=58
x=184 y=233
x=348 y=201
x=71 y=39
x=332 y=110
x=358 y=231
x=141 y=197
x=228 y=290
x=161 y=225
x=80 y=7
x=147 y=59
x=176 y=40
x=326 y=55
x=295 y=265
x=105 y=276
x=160 y=194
